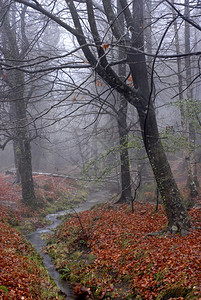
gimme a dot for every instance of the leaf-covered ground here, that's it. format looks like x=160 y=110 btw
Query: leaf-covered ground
x=52 y=193
x=22 y=275
x=107 y=253
x=114 y=255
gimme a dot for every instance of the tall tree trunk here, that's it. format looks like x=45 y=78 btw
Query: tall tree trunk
x=16 y=161
x=173 y=204
x=95 y=148
x=12 y=116
x=148 y=30
x=22 y=147
x=124 y=154
x=123 y=130
x=184 y=121
x=190 y=182
x=175 y=210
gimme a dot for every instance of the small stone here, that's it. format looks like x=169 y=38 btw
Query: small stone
x=174 y=229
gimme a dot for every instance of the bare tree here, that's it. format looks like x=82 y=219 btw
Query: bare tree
x=15 y=81
x=97 y=55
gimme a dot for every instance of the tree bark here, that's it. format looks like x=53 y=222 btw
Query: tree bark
x=124 y=154
x=23 y=148
x=12 y=116
x=191 y=138
x=16 y=83
x=174 y=207
x=123 y=130
x=172 y=200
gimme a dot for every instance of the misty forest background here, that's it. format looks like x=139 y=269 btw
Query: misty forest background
x=60 y=114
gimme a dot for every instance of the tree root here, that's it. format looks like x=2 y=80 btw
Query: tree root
x=162 y=232
x=167 y=231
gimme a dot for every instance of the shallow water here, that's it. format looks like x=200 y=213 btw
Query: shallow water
x=94 y=198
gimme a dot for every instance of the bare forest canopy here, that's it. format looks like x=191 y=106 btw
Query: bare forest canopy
x=106 y=89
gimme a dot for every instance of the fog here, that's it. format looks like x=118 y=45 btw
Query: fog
x=72 y=113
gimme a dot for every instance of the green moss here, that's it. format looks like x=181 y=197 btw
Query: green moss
x=124 y=244
x=4 y=289
x=30 y=225
x=49 y=205
x=76 y=255
x=73 y=277
x=176 y=292
x=159 y=276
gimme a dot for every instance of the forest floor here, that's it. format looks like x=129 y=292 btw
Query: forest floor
x=106 y=252
x=22 y=275
x=110 y=253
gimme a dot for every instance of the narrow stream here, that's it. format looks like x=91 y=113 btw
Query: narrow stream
x=38 y=243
